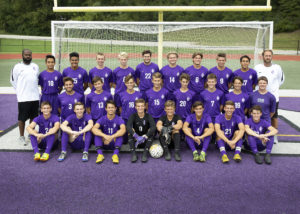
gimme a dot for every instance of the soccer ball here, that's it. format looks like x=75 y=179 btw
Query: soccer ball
x=156 y=150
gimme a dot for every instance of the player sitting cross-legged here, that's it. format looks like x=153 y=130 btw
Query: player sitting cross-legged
x=230 y=130
x=76 y=131
x=198 y=128
x=109 y=131
x=260 y=135
x=141 y=129
x=46 y=136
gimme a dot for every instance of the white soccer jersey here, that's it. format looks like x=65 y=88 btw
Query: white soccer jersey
x=274 y=75
x=24 y=78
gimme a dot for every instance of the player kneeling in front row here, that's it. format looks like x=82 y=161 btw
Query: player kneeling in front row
x=141 y=129
x=230 y=130
x=198 y=128
x=169 y=126
x=260 y=135
x=109 y=131
x=46 y=136
x=77 y=132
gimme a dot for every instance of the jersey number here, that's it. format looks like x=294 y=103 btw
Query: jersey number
x=227 y=131
x=172 y=79
x=156 y=102
x=110 y=130
x=50 y=83
x=100 y=105
x=147 y=75
x=182 y=103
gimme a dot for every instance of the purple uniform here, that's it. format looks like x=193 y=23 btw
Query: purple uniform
x=119 y=75
x=79 y=77
x=171 y=77
x=46 y=124
x=110 y=127
x=198 y=78
x=241 y=102
x=66 y=103
x=51 y=82
x=156 y=102
x=184 y=102
x=249 y=79
x=266 y=101
x=144 y=73
x=212 y=102
x=126 y=102
x=105 y=74
x=198 y=126
x=228 y=126
x=260 y=127
x=78 y=124
x=223 y=78
x=97 y=103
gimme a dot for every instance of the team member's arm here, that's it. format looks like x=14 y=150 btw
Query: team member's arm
x=152 y=128
x=281 y=77
x=187 y=131
x=53 y=130
x=85 y=81
x=31 y=129
x=209 y=131
x=240 y=133
x=88 y=127
x=129 y=125
x=120 y=132
x=272 y=132
x=97 y=131
x=64 y=126
x=88 y=105
x=178 y=125
x=220 y=133
x=159 y=125
x=14 y=77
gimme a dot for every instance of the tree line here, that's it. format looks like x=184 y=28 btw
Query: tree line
x=33 y=17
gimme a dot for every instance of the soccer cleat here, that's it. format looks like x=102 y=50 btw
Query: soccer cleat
x=202 y=156
x=237 y=158
x=100 y=158
x=167 y=154
x=45 y=157
x=134 y=157
x=177 y=156
x=115 y=159
x=195 y=156
x=258 y=159
x=22 y=141
x=225 y=158
x=85 y=157
x=62 y=156
x=268 y=159
x=145 y=156
x=37 y=156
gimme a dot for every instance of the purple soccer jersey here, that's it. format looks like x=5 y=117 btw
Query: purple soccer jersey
x=241 y=102
x=50 y=82
x=126 y=102
x=78 y=124
x=184 y=102
x=228 y=126
x=45 y=124
x=212 y=102
x=198 y=78
x=156 y=102
x=144 y=73
x=105 y=74
x=260 y=127
x=266 y=101
x=66 y=103
x=97 y=103
x=223 y=78
x=109 y=127
x=171 y=77
x=79 y=76
x=119 y=75
x=198 y=126
x=249 y=79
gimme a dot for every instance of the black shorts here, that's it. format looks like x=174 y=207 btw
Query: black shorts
x=276 y=111
x=28 y=110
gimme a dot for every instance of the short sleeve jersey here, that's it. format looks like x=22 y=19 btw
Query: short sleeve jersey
x=108 y=126
x=50 y=82
x=66 y=103
x=241 y=102
x=224 y=77
x=46 y=124
x=260 y=127
x=198 y=78
x=156 y=101
x=144 y=73
x=97 y=103
x=228 y=126
x=198 y=126
x=249 y=79
x=79 y=77
x=166 y=122
x=119 y=75
x=105 y=74
x=77 y=124
x=171 y=77
x=212 y=102
x=184 y=102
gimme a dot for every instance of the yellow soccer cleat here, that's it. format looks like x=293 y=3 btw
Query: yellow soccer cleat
x=115 y=159
x=45 y=157
x=237 y=158
x=202 y=156
x=225 y=159
x=37 y=156
x=100 y=158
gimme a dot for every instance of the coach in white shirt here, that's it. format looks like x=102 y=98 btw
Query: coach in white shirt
x=24 y=78
x=275 y=77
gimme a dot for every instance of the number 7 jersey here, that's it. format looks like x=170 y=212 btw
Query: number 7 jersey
x=212 y=102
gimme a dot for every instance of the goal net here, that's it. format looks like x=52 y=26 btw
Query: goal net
x=87 y=38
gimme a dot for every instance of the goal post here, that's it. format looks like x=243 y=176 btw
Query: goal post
x=89 y=37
